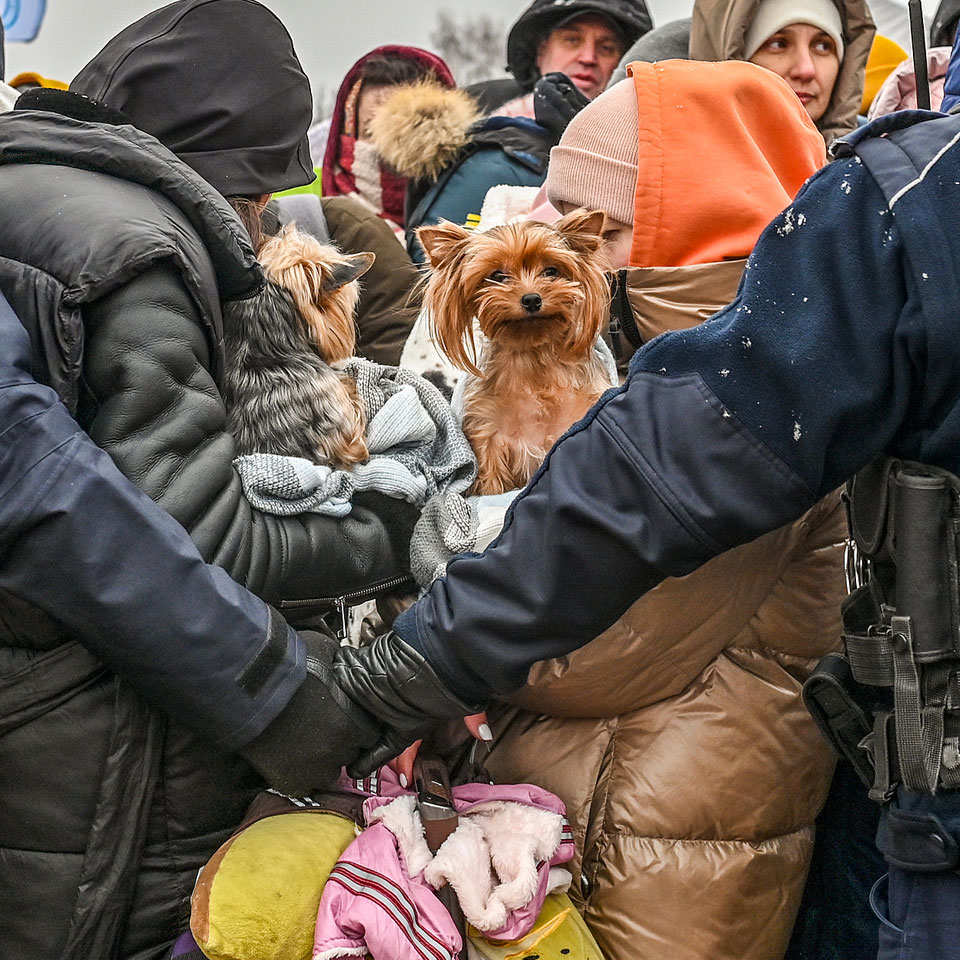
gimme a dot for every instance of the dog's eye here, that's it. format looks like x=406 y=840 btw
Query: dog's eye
x=498 y=276
x=551 y=272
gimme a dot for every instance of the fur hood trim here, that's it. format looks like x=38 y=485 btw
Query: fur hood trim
x=422 y=127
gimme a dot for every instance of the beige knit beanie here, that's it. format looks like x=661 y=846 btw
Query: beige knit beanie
x=595 y=163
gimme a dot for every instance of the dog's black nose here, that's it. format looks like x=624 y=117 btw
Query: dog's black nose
x=532 y=302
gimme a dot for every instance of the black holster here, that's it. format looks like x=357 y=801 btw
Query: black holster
x=842 y=709
x=895 y=711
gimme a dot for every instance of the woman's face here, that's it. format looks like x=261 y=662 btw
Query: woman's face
x=617 y=242
x=371 y=99
x=807 y=59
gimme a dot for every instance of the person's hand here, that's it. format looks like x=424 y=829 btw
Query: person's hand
x=477 y=727
x=394 y=683
x=556 y=101
x=319 y=731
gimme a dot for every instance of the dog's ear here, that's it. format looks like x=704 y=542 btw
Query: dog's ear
x=352 y=267
x=582 y=230
x=441 y=241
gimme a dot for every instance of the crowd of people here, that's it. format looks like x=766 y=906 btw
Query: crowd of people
x=781 y=253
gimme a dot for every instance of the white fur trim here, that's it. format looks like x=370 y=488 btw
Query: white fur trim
x=520 y=838
x=492 y=859
x=505 y=203
x=464 y=862
x=558 y=880
x=402 y=819
x=340 y=952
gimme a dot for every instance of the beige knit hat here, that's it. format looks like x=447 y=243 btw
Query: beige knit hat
x=595 y=163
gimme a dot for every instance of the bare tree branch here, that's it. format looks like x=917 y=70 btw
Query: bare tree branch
x=473 y=47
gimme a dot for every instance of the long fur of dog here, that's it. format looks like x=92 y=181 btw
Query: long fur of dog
x=283 y=394
x=540 y=296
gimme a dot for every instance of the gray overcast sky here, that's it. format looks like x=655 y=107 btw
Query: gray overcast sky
x=329 y=35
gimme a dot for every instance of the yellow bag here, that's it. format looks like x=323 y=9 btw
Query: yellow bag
x=257 y=898
x=559 y=934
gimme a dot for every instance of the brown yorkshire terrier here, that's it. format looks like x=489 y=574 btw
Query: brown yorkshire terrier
x=540 y=297
x=281 y=391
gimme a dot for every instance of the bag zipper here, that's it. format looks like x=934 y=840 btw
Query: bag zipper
x=350 y=599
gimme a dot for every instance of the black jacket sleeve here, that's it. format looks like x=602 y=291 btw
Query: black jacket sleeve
x=154 y=407
x=81 y=543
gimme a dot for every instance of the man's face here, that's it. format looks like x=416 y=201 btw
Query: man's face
x=587 y=50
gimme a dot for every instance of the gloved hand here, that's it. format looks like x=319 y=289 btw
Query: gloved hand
x=556 y=101
x=393 y=682
x=319 y=731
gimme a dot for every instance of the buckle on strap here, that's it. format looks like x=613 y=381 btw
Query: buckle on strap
x=881 y=745
x=918 y=712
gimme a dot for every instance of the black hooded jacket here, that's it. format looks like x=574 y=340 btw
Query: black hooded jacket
x=116 y=256
x=630 y=17
x=239 y=118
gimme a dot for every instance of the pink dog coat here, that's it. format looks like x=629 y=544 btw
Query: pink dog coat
x=501 y=861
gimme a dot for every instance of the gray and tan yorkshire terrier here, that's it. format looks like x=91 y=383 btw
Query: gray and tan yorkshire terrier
x=283 y=391
x=540 y=297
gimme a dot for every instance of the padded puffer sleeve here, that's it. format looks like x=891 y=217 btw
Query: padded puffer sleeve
x=157 y=411
x=81 y=543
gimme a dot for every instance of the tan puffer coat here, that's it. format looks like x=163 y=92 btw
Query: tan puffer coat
x=691 y=771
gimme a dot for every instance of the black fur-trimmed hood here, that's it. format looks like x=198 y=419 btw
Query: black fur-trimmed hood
x=630 y=17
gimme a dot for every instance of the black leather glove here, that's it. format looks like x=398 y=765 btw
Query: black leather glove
x=390 y=680
x=556 y=101
x=317 y=732
x=398 y=516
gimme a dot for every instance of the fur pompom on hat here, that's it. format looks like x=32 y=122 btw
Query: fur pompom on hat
x=422 y=127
